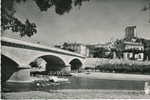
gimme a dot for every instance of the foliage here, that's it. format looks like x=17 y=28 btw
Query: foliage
x=147 y=8
x=39 y=63
x=146 y=48
x=12 y=23
x=27 y=28
x=66 y=46
x=147 y=53
x=124 y=68
x=102 y=53
x=119 y=47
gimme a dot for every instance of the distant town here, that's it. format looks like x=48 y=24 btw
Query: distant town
x=130 y=47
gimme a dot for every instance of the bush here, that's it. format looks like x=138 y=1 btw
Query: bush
x=124 y=68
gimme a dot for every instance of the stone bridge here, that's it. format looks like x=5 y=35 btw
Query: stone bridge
x=17 y=56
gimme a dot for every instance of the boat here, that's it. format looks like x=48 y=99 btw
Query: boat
x=56 y=79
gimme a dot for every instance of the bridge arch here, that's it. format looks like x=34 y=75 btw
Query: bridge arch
x=8 y=68
x=53 y=63
x=76 y=64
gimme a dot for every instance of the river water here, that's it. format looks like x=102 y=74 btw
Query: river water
x=76 y=83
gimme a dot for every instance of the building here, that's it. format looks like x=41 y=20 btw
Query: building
x=91 y=50
x=79 y=48
x=133 y=51
x=100 y=50
x=75 y=47
x=133 y=46
x=130 y=32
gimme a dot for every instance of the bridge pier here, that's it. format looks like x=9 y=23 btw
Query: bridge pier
x=22 y=75
x=67 y=68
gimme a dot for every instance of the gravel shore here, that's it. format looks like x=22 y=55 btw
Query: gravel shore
x=78 y=94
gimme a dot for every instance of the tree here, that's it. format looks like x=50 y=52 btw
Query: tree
x=10 y=22
x=102 y=52
x=66 y=46
x=146 y=49
x=119 y=47
x=39 y=63
x=147 y=8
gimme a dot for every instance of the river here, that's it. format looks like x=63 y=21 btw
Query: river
x=77 y=83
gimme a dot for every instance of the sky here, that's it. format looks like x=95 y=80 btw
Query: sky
x=96 y=21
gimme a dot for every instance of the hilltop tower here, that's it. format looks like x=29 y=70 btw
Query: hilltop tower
x=130 y=32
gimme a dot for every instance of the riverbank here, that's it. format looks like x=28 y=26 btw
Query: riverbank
x=112 y=76
x=78 y=94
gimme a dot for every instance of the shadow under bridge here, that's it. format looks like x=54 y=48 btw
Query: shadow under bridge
x=53 y=63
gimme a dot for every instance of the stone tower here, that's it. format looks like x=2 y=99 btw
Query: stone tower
x=130 y=32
